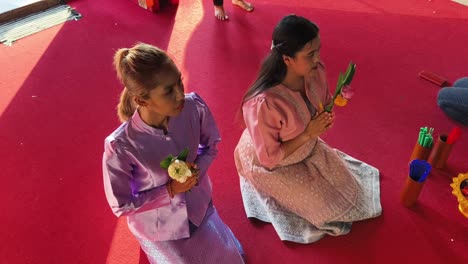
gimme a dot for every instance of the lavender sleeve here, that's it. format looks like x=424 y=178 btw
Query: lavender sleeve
x=118 y=174
x=209 y=136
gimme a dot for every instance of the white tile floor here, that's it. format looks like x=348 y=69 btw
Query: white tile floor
x=7 y=5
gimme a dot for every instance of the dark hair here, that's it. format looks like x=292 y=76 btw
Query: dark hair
x=138 y=68
x=290 y=35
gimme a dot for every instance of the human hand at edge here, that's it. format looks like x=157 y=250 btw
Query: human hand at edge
x=175 y=187
x=319 y=124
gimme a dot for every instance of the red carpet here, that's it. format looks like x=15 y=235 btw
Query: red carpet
x=58 y=93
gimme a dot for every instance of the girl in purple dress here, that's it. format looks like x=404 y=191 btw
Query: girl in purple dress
x=174 y=222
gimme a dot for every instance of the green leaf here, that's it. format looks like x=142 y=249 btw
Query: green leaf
x=183 y=155
x=339 y=86
x=342 y=81
x=166 y=162
x=350 y=73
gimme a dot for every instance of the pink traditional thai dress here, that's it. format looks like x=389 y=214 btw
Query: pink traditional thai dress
x=317 y=190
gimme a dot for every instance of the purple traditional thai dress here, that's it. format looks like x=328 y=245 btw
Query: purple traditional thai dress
x=186 y=228
x=317 y=190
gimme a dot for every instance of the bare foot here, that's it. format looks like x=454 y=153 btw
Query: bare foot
x=243 y=4
x=220 y=13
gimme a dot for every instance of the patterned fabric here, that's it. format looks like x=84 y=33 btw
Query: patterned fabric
x=211 y=243
x=326 y=187
x=292 y=227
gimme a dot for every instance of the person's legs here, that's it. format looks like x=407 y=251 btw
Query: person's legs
x=243 y=4
x=462 y=82
x=454 y=101
x=219 y=10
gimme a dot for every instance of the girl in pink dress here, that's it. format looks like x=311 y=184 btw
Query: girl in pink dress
x=174 y=222
x=289 y=176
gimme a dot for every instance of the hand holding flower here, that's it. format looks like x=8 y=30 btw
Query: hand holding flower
x=320 y=123
x=174 y=187
x=184 y=175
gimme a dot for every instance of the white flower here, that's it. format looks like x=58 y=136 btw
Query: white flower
x=179 y=171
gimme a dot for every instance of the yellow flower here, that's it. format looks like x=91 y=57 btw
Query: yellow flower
x=179 y=171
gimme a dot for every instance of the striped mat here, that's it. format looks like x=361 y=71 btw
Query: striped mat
x=13 y=30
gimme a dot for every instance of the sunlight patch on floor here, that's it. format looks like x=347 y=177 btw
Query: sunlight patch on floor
x=12 y=76
x=124 y=248
x=189 y=15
